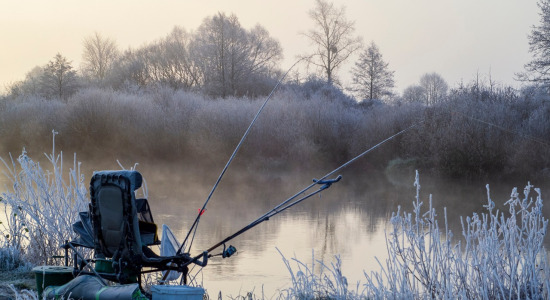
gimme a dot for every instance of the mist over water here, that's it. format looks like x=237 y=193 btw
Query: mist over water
x=349 y=219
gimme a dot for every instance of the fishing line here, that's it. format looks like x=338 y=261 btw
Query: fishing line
x=201 y=211
x=315 y=182
x=525 y=136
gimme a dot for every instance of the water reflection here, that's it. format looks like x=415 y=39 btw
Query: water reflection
x=348 y=220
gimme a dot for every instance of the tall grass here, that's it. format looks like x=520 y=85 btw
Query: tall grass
x=40 y=205
x=318 y=280
x=11 y=259
x=23 y=294
x=500 y=256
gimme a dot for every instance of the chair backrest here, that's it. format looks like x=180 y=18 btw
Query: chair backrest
x=114 y=215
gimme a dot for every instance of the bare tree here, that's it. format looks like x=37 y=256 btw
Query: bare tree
x=98 y=56
x=435 y=88
x=264 y=51
x=165 y=62
x=332 y=36
x=216 y=48
x=59 y=79
x=372 y=78
x=31 y=85
x=538 y=70
x=131 y=69
x=170 y=62
x=414 y=93
x=230 y=57
x=431 y=90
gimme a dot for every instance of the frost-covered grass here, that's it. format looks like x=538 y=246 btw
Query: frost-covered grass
x=23 y=294
x=40 y=205
x=500 y=255
x=318 y=281
x=16 y=279
x=12 y=260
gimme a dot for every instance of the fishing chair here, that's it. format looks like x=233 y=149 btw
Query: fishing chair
x=123 y=229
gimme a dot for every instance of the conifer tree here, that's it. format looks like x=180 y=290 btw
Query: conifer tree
x=372 y=78
x=538 y=70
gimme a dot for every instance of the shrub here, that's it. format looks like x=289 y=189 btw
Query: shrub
x=500 y=256
x=10 y=260
x=40 y=206
x=478 y=132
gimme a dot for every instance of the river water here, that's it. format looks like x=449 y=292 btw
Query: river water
x=349 y=219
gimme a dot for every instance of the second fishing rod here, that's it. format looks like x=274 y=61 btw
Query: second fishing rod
x=295 y=199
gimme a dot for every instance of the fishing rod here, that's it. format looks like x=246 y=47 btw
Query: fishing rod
x=195 y=224
x=290 y=202
x=325 y=184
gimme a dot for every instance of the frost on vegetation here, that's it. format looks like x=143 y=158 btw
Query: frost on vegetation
x=23 y=294
x=11 y=259
x=39 y=205
x=318 y=282
x=500 y=256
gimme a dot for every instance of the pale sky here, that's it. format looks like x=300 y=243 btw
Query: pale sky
x=455 y=38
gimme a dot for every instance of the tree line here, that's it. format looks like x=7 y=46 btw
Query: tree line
x=481 y=131
x=221 y=58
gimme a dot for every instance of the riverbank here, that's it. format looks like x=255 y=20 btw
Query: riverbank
x=501 y=136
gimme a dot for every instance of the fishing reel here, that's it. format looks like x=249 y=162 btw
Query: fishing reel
x=227 y=252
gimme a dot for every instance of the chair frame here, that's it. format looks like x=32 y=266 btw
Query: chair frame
x=129 y=259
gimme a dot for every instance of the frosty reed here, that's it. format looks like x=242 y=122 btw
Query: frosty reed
x=40 y=205
x=498 y=255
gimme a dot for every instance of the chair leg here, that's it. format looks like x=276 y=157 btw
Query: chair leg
x=66 y=254
x=184 y=275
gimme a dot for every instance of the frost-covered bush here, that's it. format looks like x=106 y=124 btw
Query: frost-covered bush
x=500 y=255
x=11 y=259
x=318 y=88
x=480 y=131
x=40 y=205
x=484 y=131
